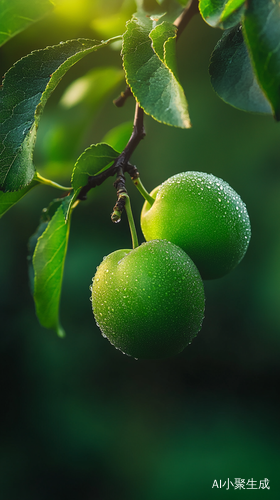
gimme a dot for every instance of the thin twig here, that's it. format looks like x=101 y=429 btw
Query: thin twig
x=122 y=161
x=137 y=135
x=120 y=101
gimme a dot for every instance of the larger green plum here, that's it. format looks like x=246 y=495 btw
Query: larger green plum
x=149 y=302
x=204 y=216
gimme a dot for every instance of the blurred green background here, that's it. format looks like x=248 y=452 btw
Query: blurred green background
x=79 y=419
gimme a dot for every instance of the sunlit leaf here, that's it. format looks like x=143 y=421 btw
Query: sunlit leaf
x=231 y=7
x=262 y=34
x=26 y=89
x=232 y=75
x=150 y=72
x=164 y=45
x=222 y=13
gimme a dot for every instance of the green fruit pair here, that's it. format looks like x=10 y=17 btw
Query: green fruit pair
x=149 y=302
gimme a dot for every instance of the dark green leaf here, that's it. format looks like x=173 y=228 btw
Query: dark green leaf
x=48 y=264
x=16 y=15
x=262 y=34
x=26 y=88
x=92 y=161
x=222 y=13
x=232 y=75
x=150 y=72
x=7 y=200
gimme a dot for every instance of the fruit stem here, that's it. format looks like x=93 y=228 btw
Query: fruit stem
x=48 y=182
x=131 y=222
x=143 y=191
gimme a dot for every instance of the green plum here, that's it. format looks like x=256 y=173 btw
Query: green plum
x=149 y=302
x=204 y=216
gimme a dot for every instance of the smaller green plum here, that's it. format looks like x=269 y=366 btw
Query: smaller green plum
x=148 y=302
x=204 y=216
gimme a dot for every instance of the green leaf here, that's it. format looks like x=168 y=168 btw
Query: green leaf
x=222 y=13
x=262 y=34
x=26 y=89
x=16 y=15
x=232 y=75
x=92 y=161
x=48 y=264
x=7 y=200
x=164 y=45
x=150 y=72
x=231 y=7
